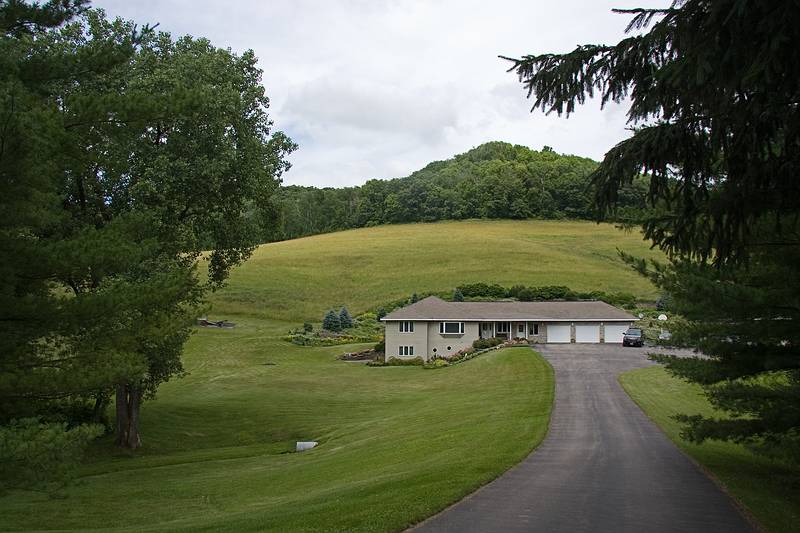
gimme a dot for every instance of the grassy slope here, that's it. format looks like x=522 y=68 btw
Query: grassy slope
x=397 y=443
x=768 y=489
x=298 y=280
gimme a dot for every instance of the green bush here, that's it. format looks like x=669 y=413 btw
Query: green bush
x=331 y=321
x=35 y=454
x=416 y=361
x=514 y=291
x=345 y=320
x=475 y=290
x=482 y=344
x=381 y=346
x=307 y=327
x=438 y=363
x=526 y=295
x=458 y=296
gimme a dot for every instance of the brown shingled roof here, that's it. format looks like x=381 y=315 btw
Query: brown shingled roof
x=433 y=308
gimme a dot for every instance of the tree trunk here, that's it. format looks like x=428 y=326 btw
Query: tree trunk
x=128 y=401
x=98 y=412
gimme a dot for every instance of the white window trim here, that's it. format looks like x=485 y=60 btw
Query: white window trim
x=406 y=326
x=405 y=351
x=443 y=328
x=533 y=329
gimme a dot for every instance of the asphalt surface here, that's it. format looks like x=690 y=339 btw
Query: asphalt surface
x=604 y=466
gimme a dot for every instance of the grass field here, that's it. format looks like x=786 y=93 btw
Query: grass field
x=298 y=280
x=769 y=490
x=397 y=444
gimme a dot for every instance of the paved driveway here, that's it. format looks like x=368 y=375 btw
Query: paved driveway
x=604 y=466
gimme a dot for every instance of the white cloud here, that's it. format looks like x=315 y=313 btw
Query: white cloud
x=379 y=88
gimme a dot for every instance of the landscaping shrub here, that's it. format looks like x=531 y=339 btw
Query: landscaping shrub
x=381 y=346
x=514 y=291
x=416 y=361
x=307 y=327
x=474 y=290
x=526 y=295
x=345 y=320
x=482 y=344
x=331 y=321
x=458 y=296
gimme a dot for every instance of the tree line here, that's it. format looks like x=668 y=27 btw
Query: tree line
x=496 y=180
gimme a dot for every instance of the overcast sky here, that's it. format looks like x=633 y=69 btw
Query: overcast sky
x=379 y=88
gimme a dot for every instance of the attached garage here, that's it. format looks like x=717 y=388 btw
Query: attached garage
x=587 y=333
x=614 y=332
x=558 y=333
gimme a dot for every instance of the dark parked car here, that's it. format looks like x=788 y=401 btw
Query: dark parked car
x=633 y=337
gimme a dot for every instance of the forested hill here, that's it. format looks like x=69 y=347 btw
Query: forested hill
x=494 y=180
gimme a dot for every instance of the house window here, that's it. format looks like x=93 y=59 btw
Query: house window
x=451 y=328
x=533 y=329
x=406 y=327
x=502 y=327
x=405 y=350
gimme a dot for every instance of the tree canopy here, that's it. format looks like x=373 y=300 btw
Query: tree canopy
x=716 y=130
x=493 y=180
x=124 y=153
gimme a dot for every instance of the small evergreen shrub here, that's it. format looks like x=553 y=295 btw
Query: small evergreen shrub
x=331 y=321
x=345 y=320
x=458 y=296
x=307 y=327
x=380 y=313
x=381 y=346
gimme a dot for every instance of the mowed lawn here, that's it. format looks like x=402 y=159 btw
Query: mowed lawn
x=396 y=444
x=768 y=489
x=299 y=279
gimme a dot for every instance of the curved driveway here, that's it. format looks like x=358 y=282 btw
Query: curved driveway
x=604 y=466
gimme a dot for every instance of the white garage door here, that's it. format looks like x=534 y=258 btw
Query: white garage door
x=587 y=333
x=558 y=333
x=614 y=332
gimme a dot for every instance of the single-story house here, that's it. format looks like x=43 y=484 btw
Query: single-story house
x=433 y=327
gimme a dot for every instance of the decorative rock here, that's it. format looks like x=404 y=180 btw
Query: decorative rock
x=303 y=446
x=662 y=317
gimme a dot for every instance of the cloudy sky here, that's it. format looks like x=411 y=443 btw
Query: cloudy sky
x=379 y=88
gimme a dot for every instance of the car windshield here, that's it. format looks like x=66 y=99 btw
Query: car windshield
x=633 y=331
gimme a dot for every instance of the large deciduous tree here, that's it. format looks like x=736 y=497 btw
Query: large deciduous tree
x=124 y=154
x=715 y=113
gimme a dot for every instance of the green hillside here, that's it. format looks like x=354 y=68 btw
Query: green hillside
x=298 y=280
x=397 y=444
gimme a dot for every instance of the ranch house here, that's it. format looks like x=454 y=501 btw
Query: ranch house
x=433 y=327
